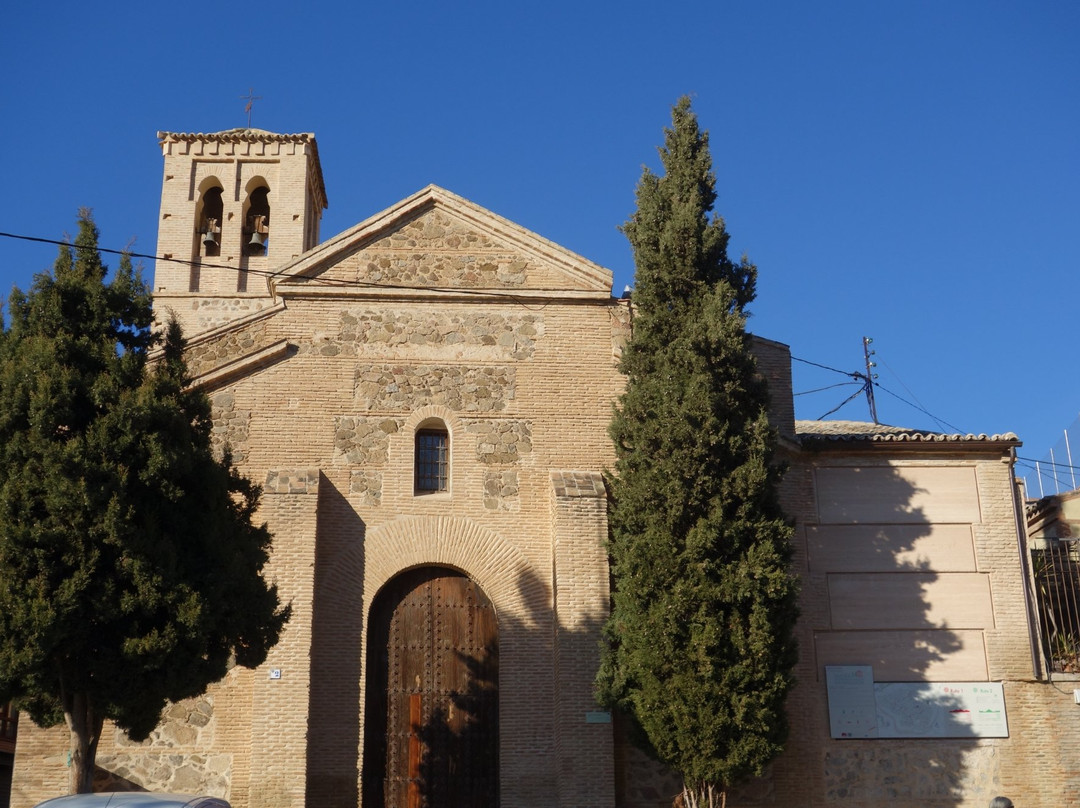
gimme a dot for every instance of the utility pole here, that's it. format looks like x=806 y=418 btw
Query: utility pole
x=868 y=379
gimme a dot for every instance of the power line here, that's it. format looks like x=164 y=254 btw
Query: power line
x=1063 y=476
x=867 y=382
x=823 y=389
x=863 y=379
x=852 y=397
x=923 y=410
x=1048 y=463
x=823 y=367
x=897 y=375
x=315 y=281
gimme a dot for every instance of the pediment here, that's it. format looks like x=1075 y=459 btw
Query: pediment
x=436 y=242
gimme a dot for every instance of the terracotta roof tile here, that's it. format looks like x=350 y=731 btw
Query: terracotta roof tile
x=852 y=431
x=246 y=135
x=238 y=134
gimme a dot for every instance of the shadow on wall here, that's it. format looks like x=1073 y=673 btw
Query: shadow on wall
x=891 y=582
x=881 y=586
x=884 y=580
x=337 y=635
x=337 y=631
x=105 y=780
x=884 y=585
x=462 y=735
x=455 y=731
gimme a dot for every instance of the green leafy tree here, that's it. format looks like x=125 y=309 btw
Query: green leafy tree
x=130 y=567
x=700 y=639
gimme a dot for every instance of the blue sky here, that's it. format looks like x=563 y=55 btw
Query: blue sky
x=907 y=171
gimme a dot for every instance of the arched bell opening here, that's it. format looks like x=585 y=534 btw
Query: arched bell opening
x=257 y=222
x=255 y=234
x=209 y=215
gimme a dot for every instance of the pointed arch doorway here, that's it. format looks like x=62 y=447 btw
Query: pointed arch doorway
x=431 y=736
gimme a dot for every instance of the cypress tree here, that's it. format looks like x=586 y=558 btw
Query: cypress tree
x=700 y=643
x=130 y=567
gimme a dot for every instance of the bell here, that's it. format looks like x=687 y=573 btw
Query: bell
x=258 y=240
x=209 y=239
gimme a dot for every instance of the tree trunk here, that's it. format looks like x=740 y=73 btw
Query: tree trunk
x=701 y=795
x=85 y=725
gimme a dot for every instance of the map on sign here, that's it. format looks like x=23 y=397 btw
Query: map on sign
x=859 y=707
x=852 y=707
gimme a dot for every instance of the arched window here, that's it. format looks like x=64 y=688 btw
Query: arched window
x=431 y=461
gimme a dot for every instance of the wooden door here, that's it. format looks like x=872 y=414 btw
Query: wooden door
x=431 y=736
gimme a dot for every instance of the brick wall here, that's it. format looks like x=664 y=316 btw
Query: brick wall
x=583 y=737
x=952 y=545
x=219 y=288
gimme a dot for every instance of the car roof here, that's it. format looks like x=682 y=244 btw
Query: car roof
x=134 y=799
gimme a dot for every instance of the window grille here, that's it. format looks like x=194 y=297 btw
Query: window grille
x=1056 y=569
x=432 y=460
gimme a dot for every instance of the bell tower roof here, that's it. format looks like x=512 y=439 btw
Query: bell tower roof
x=245 y=135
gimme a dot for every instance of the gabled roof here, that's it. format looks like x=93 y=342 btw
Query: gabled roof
x=469 y=238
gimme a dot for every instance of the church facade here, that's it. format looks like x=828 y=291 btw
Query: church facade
x=425 y=398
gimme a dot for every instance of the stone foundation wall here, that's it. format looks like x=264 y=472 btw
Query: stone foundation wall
x=912 y=773
x=175 y=758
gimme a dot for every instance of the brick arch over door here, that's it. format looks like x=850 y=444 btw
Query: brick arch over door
x=522 y=600
x=498 y=566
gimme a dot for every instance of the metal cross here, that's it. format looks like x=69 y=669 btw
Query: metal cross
x=251 y=98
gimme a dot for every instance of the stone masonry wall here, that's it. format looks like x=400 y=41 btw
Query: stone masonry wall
x=461 y=389
x=436 y=249
x=175 y=758
x=212 y=312
x=506 y=397
x=206 y=354
x=231 y=426
x=400 y=332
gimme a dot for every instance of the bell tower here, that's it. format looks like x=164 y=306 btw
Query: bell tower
x=235 y=206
